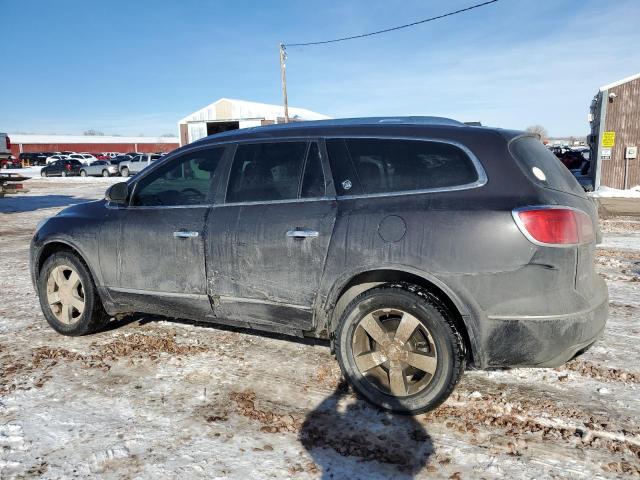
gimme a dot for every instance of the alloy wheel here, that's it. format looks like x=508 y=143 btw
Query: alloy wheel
x=65 y=294
x=394 y=351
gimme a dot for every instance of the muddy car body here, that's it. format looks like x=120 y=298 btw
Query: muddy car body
x=419 y=246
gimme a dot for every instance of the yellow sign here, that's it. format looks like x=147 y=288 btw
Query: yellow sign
x=608 y=139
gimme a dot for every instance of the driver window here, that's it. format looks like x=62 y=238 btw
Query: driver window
x=185 y=180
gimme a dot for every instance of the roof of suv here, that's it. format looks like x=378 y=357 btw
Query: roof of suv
x=330 y=126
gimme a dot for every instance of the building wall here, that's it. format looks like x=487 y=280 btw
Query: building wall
x=623 y=118
x=92 y=147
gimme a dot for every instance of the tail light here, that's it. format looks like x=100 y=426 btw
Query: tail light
x=8 y=142
x=555 y=226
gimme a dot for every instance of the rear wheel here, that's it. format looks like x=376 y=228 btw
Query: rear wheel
x=63 y=174
x=124 y=172
x=83 y=173
x=68 y=296
x=105 y=173
x=399 y=348
x=43 y=173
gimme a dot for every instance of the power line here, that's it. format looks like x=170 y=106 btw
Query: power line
x=390 y=29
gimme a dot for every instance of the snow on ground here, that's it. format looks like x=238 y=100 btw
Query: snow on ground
x=152 y=398
x=608 y=192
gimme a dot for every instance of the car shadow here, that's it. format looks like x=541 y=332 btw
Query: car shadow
x=19 y=203
x=349 y=438
x=345 y=436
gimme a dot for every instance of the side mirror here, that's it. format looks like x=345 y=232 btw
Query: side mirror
x=118 y=192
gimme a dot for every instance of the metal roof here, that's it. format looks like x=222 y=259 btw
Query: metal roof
x=225 y=109
x=619 y=82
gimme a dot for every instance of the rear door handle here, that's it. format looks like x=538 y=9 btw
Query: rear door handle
x=183 y=234
x=302 y=233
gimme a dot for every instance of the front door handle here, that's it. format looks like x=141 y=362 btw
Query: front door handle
x=302 y=233
x=183 y=234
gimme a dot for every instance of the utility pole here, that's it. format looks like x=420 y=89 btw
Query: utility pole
x=283 y=77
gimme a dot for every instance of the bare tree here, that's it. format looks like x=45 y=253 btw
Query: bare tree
x=93 y=133
x=538 y=130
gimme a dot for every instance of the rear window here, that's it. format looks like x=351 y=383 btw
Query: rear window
x=543 y=167
x=392 y=165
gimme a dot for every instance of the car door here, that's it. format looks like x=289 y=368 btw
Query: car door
x=160 y=250
x=56 y=168
x=269 y=237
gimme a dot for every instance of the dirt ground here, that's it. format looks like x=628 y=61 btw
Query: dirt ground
x=152 y=398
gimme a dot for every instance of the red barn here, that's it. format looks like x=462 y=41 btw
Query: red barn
x=92 y=144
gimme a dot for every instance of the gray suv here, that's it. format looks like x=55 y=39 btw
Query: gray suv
x=418 y=246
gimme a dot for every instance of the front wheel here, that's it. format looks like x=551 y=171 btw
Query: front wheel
x=43 y=174
x=105 y=173
x=124 y=172
x=68 y=296
x=399 y=348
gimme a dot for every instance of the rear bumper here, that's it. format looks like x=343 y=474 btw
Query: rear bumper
x=545 y=341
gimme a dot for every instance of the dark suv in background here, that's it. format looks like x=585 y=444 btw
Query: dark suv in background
x=61 y=168
x=418 y=246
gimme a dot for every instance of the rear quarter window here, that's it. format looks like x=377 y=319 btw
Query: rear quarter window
x=542 y=167
x=398 y=165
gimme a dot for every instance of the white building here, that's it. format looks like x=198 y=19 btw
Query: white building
x=229 y=114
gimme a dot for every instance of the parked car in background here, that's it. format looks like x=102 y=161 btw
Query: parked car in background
x=137 y=163
x=120 y=158
x=55 y=158
x=61 y=168
x=84 y=158
x=33 y=158
x=101 y=168
x=571 y=159
x=10 y=162
x=417 y=246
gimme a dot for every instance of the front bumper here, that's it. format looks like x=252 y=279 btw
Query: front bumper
x=544 y=341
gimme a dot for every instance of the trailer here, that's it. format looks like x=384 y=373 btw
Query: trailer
x=11 y=183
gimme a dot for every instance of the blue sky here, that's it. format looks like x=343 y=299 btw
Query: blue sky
x=131 y=67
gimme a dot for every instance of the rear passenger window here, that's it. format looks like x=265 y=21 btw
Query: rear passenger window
x=313 y=178
x=389 y=165
x=266 y=171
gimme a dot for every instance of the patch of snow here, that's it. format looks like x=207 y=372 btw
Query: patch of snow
x=608 y=192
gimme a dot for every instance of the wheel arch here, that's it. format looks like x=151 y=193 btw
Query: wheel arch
x=55 y=246
x=345 y=291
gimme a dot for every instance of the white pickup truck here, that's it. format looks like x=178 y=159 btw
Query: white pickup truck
x=137 y=163
x=5 y=148
x=6 y=159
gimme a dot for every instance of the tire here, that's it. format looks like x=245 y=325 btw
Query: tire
x=63 y=174
x=92 y=318
x=124 y=172
x=43 y=174
x=433 y=343
x=105 y=173
x=83 y=173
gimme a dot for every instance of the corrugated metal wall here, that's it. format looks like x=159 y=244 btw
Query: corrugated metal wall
x=622 y=117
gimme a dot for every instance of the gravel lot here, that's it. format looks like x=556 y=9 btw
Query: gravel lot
x=152 y=398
